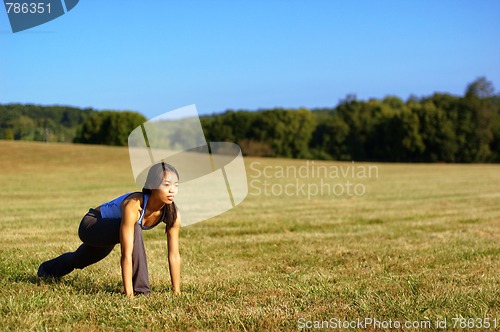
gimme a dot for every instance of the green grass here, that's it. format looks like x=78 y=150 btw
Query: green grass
x=422 y=243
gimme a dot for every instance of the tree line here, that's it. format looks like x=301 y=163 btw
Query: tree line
x=437 y=128
x=41 y=123
x=66 y=124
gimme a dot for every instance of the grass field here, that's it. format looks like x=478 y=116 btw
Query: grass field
x=421 y=243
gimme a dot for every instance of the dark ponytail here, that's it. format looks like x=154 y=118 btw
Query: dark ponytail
x=170 y=215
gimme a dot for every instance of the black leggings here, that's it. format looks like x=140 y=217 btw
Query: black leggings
x=99 y=236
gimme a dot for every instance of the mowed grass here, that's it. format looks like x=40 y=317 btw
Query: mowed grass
x=420 y=244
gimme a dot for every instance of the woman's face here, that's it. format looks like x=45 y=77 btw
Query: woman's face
x=169 y=187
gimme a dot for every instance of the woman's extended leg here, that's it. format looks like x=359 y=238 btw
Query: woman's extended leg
x=84 y=256
x=99 y=236
x=57 y=267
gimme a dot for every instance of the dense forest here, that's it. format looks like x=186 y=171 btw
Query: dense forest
x=437 y=128
x=41 y=123
x=66 y=124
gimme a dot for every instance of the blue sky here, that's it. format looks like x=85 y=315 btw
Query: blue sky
x=155 y=56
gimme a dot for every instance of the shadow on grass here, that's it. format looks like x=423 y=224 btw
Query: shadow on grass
x=80 y=284
x=30 y=278
x=87 y=285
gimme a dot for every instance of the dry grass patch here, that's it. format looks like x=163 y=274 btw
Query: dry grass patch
x=421 y=243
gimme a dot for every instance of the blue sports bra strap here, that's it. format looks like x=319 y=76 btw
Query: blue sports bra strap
x=145 y=198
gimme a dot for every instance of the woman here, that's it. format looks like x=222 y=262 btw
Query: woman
x=122 y=221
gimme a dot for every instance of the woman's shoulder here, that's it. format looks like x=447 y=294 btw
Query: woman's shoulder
x=134 y=199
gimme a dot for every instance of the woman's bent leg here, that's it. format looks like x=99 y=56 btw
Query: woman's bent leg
x=140 y=277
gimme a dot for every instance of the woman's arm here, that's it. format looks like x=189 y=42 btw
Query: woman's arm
x=174 y=257
x=130 y=210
